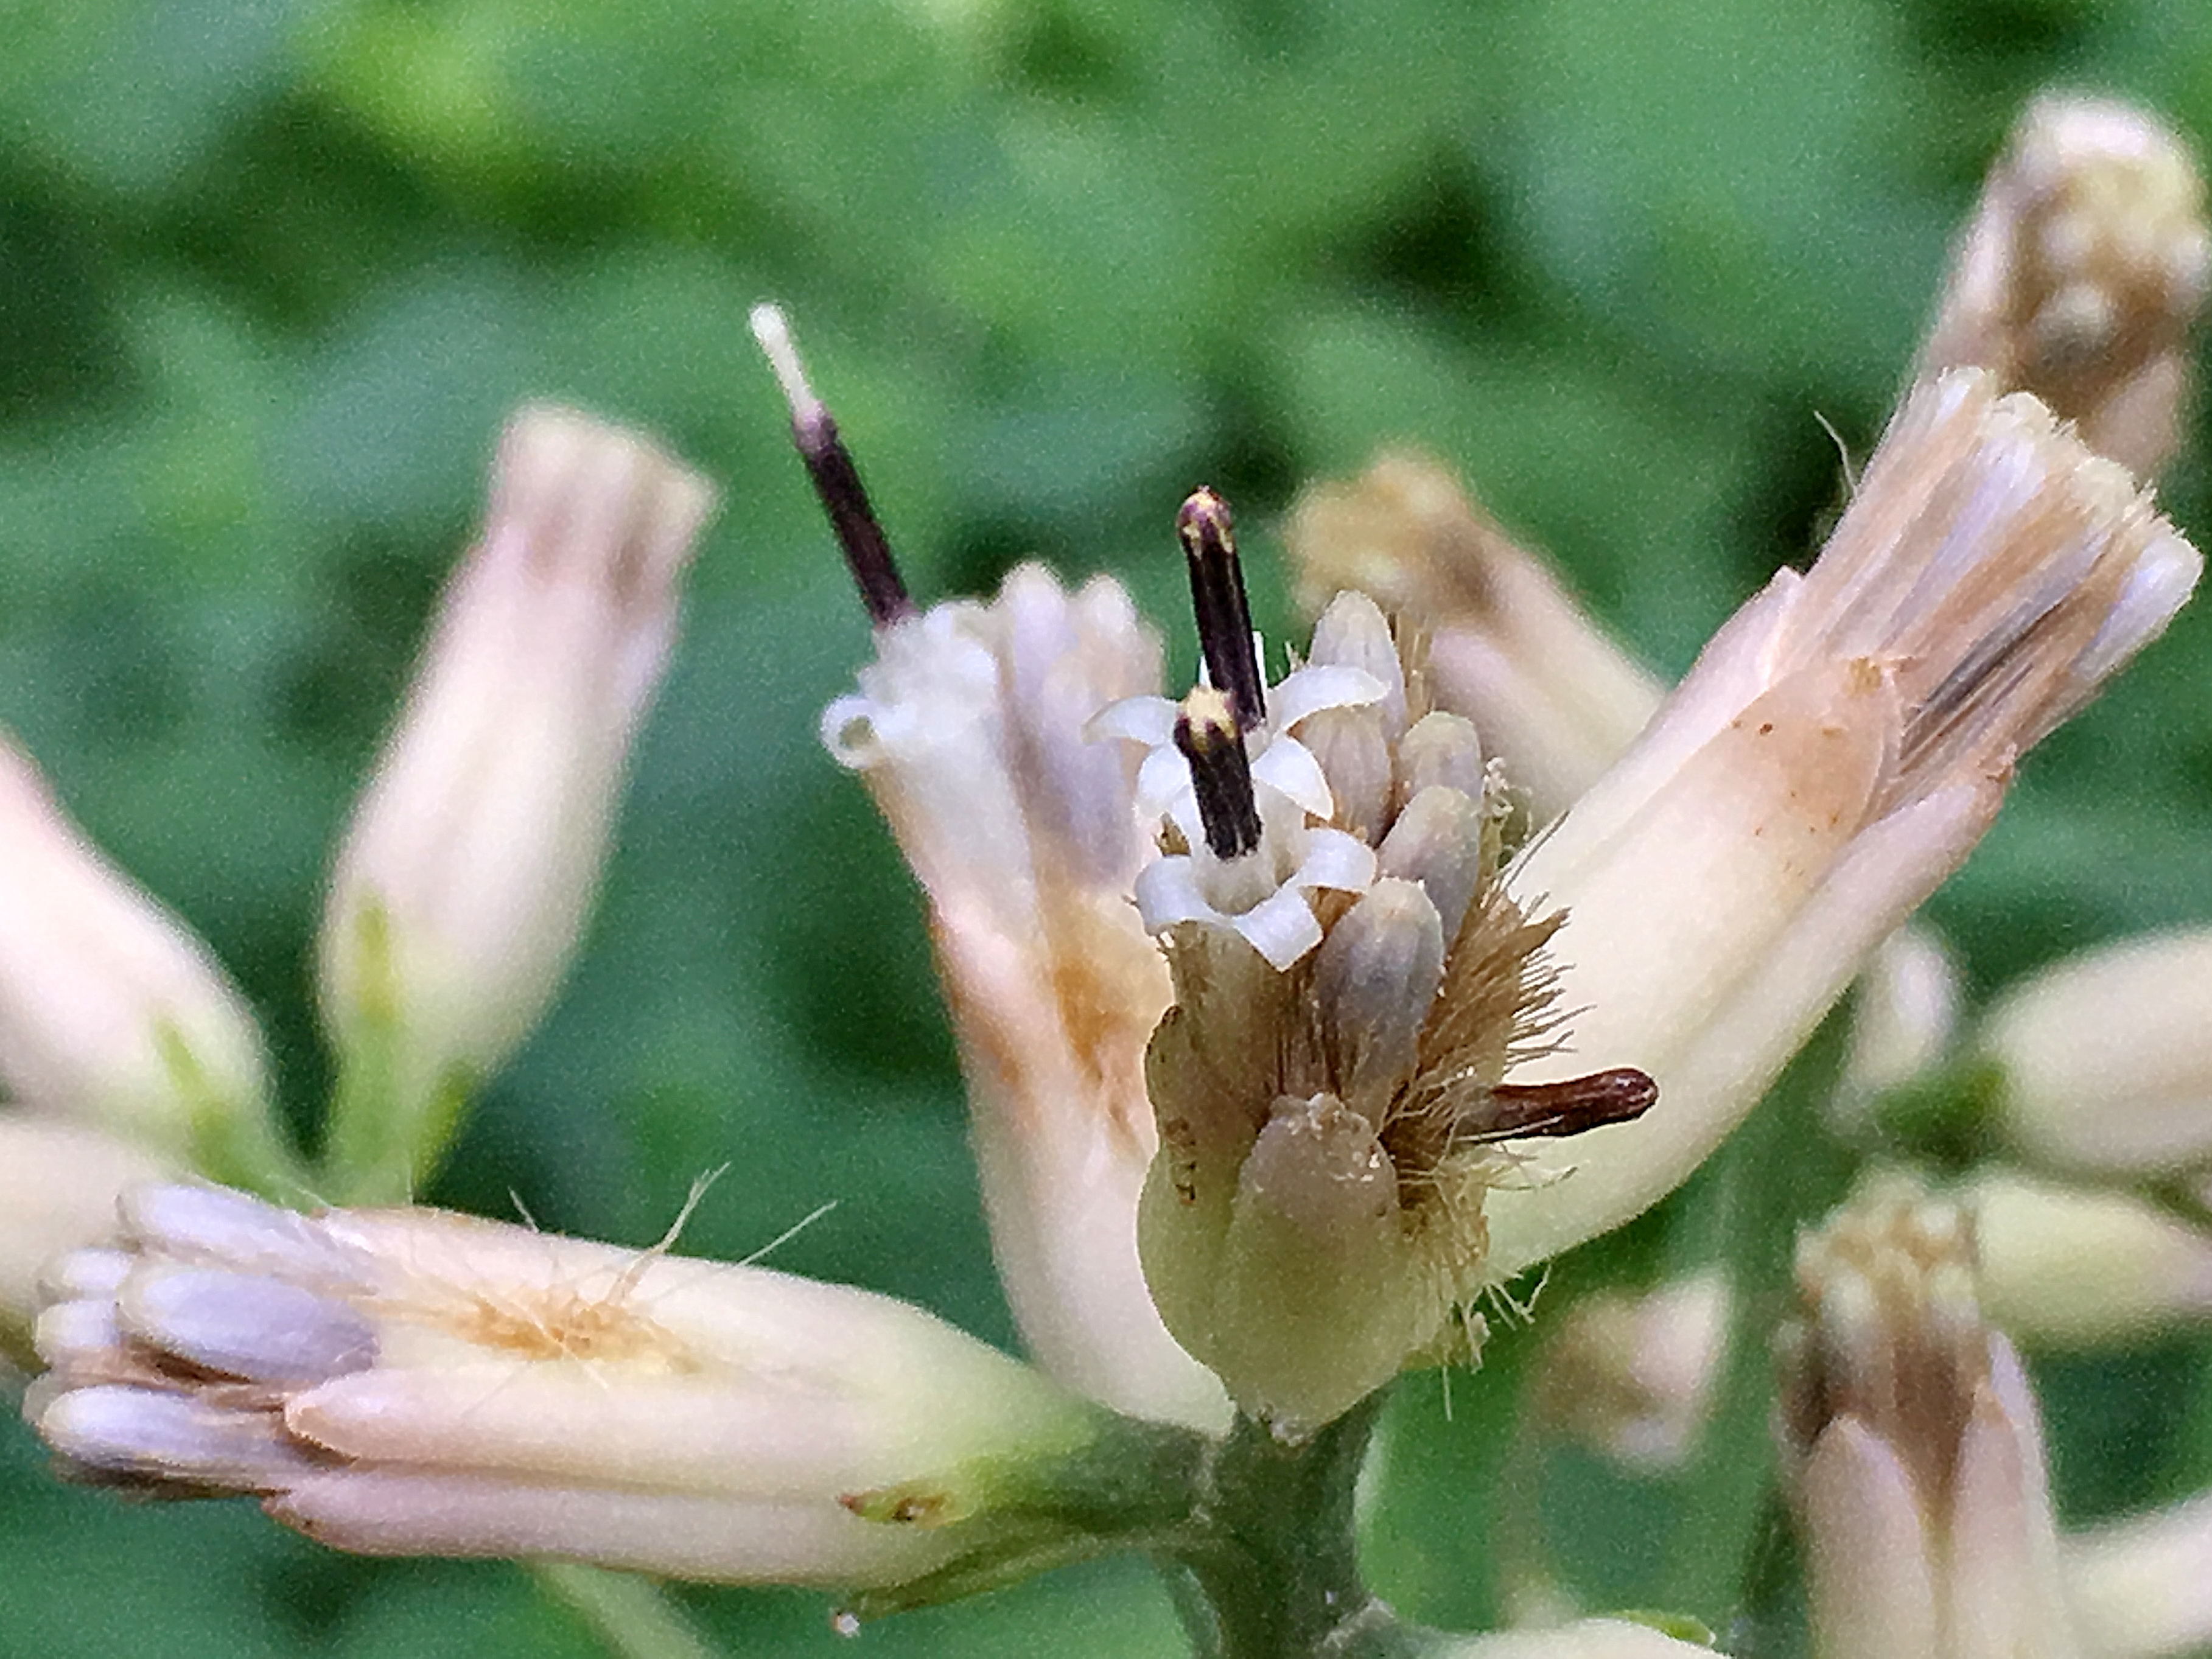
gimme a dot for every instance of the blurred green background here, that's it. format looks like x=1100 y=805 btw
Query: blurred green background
x=271 y=271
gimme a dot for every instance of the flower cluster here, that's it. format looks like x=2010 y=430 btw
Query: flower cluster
x=1298 y=1014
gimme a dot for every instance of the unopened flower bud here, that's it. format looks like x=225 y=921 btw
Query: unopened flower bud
x=1353 y=631
x=1586 y=1638
x=1374 y=980
x=112 y=1013
x=412 y=1381
x=1441 y=750
x=2138 y=1588
x=1837 y=749
x=465 y=880
x=2107 y=1058
x=1903 y=1014
x=2066 y=1267
x=1913 y=1448
x=1438 y=842
x=1630 y=1374
x=2081 y=273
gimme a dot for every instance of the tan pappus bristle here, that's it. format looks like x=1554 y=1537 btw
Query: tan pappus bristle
x=1981 y=569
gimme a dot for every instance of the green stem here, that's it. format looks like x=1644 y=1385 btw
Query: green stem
x=630 y=1615
x=1785 y=1170
x=385 y=1139
x=1268 y=1563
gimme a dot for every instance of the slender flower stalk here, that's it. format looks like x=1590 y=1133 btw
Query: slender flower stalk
x=111 y=1011
x=413 y=1382
x=465 y=878
x=970 y=730
x=1913 y=1447
x=1837 y=750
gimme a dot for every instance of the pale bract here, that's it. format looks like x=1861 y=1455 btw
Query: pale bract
x=414 y=1382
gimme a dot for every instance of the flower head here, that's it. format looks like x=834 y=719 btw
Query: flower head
x=1837 y=750
x=2081 y=273
x=1330 y=1083
x=969 y=730
x=413 y=1382
x=1913 y=1448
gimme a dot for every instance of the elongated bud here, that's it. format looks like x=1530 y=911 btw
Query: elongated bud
x=112 y=1013
x=2068 y=1267
x=2138 y=1587
x=2080 y=273
x=2106 y=1058
x=465 y=879
x=412 y=1381
x=1509 y=648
